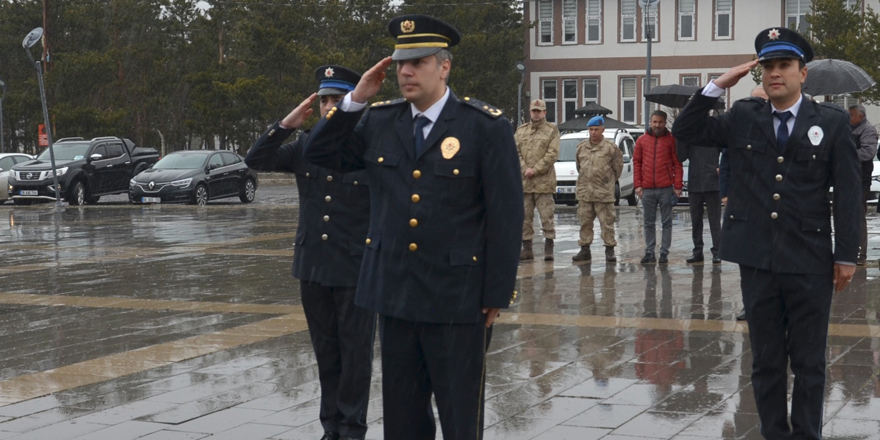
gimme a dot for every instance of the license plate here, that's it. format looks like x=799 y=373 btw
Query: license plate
x=151 y=200
x=29 y=192
x=564 y=190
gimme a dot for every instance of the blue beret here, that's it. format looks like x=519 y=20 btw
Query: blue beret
x=596 y=121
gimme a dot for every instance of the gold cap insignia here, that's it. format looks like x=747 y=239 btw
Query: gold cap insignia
x=329 y=72
x=407 y=26
x=450 y=147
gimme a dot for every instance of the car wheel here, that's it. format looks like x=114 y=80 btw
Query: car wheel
x=248 y=191
x=91 y=200
x=200 y=195
x=631 y=199
x=616 y=194
x=78 y=194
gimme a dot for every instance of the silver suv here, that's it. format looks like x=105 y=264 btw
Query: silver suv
x=566 y=170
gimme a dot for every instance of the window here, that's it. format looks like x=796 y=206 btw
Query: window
x=844 y=101
x=796 y=15
x=114 y=150
x=569 y=98
x=691 y=80
x=724 y=19
x=649 y=25
x=102 y=150
x=686 y=15
x=6 y=163
x=550 y=99
x=215 y=162
x=591 y=90
x=545 y=22
x=853 y=4
x=594 y=21
x=628 y=98
x=628 y=14
x=230 y=158
x=569 y=21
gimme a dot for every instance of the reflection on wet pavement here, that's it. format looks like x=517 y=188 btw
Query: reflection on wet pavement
x=175 y=322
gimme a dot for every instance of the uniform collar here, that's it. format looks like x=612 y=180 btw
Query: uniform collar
x=794 y=109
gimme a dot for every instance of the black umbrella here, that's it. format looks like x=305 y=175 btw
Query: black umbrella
x=675 y=95
x=835 y=77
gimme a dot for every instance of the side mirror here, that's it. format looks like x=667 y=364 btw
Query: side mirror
x=96 y=156
x=626 y=158
x=207 y=170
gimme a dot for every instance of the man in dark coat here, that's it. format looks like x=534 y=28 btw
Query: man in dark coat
x=702 y=186
x=333 y=217
x=784 y=154
x=445 y=223
x=866 y=145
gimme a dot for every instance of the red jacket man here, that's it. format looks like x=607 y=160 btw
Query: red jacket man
x=657 y=178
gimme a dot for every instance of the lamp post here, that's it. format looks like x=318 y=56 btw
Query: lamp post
x=3 y=95
x=521 y=68
x=29 y=41
x=646 y=8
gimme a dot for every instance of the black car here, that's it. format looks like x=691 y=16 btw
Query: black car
x=194 y=176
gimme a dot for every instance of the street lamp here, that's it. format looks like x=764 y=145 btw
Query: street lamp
x=646 y=7
x=29 y=41
x=521 y=68
x=3 y=95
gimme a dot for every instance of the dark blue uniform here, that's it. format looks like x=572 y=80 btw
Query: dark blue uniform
x=443 y=243
x=333 y=218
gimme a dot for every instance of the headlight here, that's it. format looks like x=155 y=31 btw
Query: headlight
x=132 y=182
x=58 y=172
x=183 y=183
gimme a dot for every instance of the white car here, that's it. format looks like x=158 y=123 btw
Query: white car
x=7 y=160
x=566 y=170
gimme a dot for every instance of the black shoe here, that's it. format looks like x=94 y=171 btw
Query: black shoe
x=696 y=258
x=663 y=259
x=741 y=316
x=331 y=436
x=648 y=258
x=716 y=260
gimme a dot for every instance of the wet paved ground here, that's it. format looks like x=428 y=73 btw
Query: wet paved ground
x=174 y=322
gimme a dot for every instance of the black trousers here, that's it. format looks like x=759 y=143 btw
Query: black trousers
x=788 y=325
x=446 y=360
x=342 y=337
x=712 y=199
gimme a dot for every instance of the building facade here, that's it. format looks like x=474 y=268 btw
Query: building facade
x=583 y=51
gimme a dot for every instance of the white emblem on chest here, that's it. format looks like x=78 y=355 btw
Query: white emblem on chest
x=815 y=134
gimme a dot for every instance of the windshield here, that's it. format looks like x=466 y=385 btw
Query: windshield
x=568 y=149
x=66 y=151
x=181 y=162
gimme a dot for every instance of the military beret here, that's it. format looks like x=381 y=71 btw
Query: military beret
x=336 y=80
x=420 y=35
x=596 y=121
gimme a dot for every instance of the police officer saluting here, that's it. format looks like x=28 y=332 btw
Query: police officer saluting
x=784 y=153
x=445 y=221
x=333 y=217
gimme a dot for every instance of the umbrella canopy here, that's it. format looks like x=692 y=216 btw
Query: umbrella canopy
x=675 y=95
x=592 y=109
x=835 y=77
x=580 y=124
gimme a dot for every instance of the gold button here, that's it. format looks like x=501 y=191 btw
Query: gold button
x=748 y=147
x=416 y=198
x=308 y=174
x=328 y=198
x=324 y=237
x=413 y=247
x=466 y=98
x=475 y=258
x=455 y=171
x=417 y=174
x=774 y=215
x=485 y=107
x=731 y=216
x=776 y=197
x=814 y=157
x=326 y=218
x=779 y=177
x=381 y=159
x=369 y=241
x=329 y=178
x=780 y=159
x=413 y=223
x=355 y=182
x=272 y=132
x=334 y=108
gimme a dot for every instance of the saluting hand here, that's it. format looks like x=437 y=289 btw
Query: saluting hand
x=843 y=274
x=371 y=82
x=299 y=115
x=732 y=76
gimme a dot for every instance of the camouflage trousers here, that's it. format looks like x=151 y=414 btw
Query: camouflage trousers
x=546 y=208
x=587 y=213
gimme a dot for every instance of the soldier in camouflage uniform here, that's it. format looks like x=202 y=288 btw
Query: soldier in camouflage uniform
x=537 y=143
x=599 y=164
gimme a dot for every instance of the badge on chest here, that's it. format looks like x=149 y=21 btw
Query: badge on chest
x=815 y=134
x=450 y=147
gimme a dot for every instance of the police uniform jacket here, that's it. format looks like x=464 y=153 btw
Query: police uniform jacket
x=445 y=231
x=334 y=210
x=778 y=216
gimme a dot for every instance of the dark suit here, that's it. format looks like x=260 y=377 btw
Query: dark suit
x=702 y=186
x=444 y=243
x=778 y=228
x=333 y=218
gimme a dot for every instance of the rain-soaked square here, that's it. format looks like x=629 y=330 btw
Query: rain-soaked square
x=178 y=322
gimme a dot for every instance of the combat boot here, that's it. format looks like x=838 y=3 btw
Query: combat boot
x=527 y=253
x=548 y=249
x=583 y=255
x=609 y=254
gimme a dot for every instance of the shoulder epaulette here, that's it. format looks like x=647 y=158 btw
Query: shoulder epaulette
x=483 y=107
x=387 y=103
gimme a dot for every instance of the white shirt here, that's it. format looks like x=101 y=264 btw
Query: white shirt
x=432 y=113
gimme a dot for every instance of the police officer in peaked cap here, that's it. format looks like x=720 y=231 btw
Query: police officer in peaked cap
x=785 y=153
x=445 y=221
x=333 y=218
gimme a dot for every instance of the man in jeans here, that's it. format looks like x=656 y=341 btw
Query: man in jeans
x=657 y=178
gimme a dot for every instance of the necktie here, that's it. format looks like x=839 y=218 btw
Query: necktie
x=419 y=133
x=782 y=131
